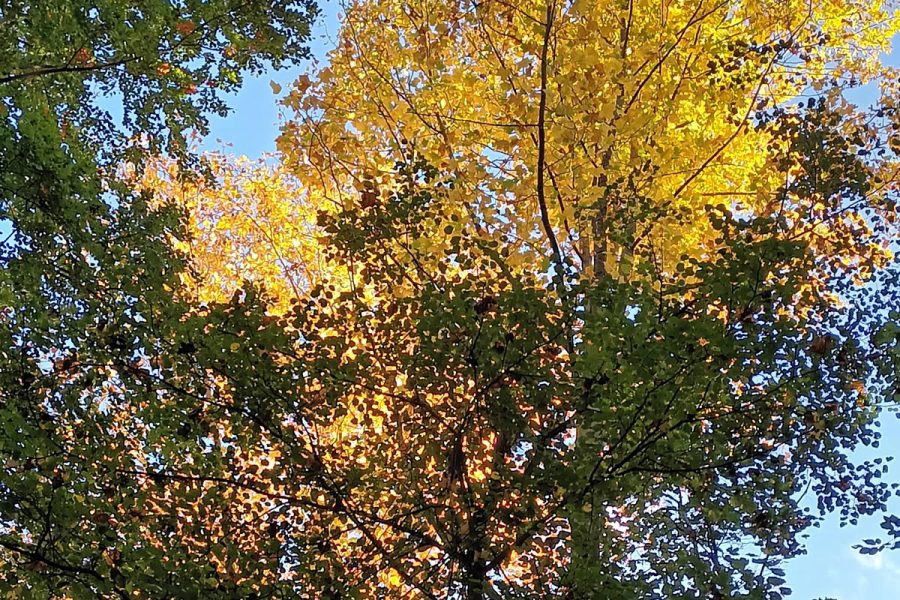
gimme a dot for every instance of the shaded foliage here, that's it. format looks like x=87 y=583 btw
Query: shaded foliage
x=88 y=270
x=377 y=371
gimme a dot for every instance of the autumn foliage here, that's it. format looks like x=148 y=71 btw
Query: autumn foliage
x=535 y=301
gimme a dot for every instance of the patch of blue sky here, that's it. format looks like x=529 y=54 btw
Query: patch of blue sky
x=254 y=121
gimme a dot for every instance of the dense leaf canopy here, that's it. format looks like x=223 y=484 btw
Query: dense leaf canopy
x=537 y=300
x=88 y=269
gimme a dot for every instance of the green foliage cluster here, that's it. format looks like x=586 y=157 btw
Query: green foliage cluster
x=87 y=266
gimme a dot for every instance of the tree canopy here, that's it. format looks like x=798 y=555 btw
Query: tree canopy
x=557 y=300
x=88 y=269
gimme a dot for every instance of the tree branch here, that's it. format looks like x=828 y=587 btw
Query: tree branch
x=47 y=70
x=542 y=144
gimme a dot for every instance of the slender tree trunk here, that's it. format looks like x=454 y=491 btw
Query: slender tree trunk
x=475 y=585
x=584 y=552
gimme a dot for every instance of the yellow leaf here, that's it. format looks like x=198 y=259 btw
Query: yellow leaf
x=394 y=579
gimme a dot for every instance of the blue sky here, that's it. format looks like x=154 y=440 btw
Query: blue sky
x=831 y=569
x=253 y=124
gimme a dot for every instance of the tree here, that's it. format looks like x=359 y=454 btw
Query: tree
x=559 y=121
x=88 y=269
x=440 y=407
x=598 y=347
x=476 y=364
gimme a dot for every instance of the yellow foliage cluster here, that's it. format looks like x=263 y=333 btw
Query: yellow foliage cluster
x=637 y=99
x=252 y=222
